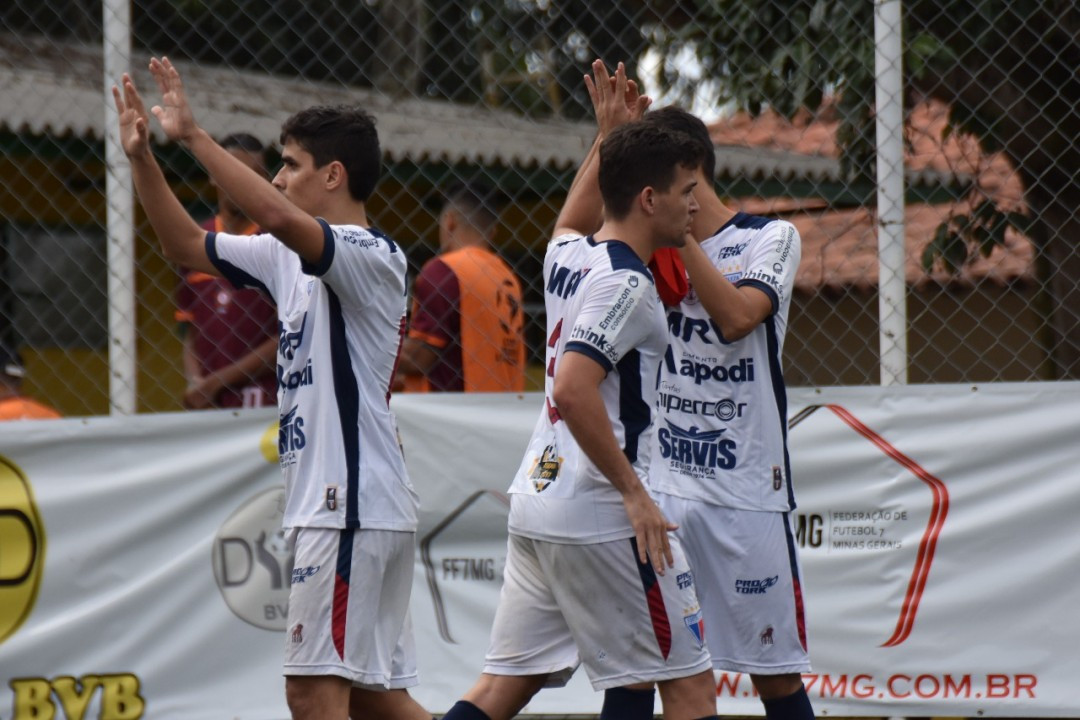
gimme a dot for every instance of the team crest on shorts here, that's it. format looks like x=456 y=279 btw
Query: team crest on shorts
x=298 y=633
x=695 y=624
x=767 y=635
x=546 y=470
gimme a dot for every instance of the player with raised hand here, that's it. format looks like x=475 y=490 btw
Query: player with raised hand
x=339 y=286
x=592 y=576
x=722 y=390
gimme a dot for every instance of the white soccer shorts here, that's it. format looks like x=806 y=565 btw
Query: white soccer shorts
x=627 y=624
x=748 y=579
x=348 y=608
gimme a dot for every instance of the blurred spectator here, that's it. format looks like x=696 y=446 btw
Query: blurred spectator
x=13 y=404
x=466 y=330
x=230 y=335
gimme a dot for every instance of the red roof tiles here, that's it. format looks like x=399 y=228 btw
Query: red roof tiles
x=840 y=246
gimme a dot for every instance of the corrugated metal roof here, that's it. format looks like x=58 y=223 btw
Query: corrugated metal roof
x=51 y=87
x=45 y=87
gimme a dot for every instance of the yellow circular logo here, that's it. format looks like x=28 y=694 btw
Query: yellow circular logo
x=22 y=549
x=268 y=444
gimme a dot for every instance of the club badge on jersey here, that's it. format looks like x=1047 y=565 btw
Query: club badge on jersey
x=545 y=469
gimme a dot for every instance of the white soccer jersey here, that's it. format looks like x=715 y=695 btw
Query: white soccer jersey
x=340 y=325
x=722 y=435
x=600 y=301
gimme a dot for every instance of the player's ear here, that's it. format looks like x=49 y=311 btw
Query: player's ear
x=335 y=175
x=647 y=200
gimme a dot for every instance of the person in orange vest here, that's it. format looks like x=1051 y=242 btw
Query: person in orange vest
x=466 y=333
x=14 y=405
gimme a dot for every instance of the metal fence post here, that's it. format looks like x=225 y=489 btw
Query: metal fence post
x=116 y=48
x=892 y=285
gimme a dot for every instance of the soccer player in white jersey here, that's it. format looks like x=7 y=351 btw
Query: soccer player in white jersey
x=590 y=568
x=340 y=291
x=720 y=462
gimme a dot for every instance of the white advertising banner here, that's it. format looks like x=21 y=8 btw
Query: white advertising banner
x=143 y=573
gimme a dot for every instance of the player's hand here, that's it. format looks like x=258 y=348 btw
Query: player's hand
x=636 y=103
x=651 y=529
x=616 y=100
x=174 y=112
x=134 y=128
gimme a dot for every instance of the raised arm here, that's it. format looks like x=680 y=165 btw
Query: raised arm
x=616 y=100
x=736 y=310
x=259 y=199
x=181 y=238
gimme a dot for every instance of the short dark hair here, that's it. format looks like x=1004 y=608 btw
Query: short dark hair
x=639 y=155
x=673 y=117
x=344 y=133
x=474 y=201
x=243 y=141
x=249 y=144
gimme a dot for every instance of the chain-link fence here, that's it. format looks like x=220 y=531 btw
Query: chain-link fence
x=490 y=91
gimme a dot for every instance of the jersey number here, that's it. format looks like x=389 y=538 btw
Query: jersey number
x=553 y=342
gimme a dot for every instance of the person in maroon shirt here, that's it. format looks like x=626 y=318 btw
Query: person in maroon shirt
x=466 y=333
x=230 y=335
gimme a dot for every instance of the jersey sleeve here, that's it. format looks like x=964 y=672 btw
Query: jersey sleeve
x=564 y=238
x=247 y=261
x=772 y=262
x=436 y=296
x=616 y=316
x=555 y=248
x=359 y=264
x=186 y=295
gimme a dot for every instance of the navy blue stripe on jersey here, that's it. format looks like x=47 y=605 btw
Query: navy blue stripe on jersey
x=765 y=288
x=383 y=236
x=780 y=393
x=622 y=257
x=404 y=273
x=590 y=352
x=347 y=393
x=319 y=268
x=633 y=410
x=746 y=221
x=230 y=272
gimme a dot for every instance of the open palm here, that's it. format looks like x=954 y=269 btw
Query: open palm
x=134 y=128
x=616 y=100
x=174 y=112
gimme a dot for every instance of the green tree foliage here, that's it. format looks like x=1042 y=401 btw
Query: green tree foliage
x=1008 y=71
x=550 y=41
